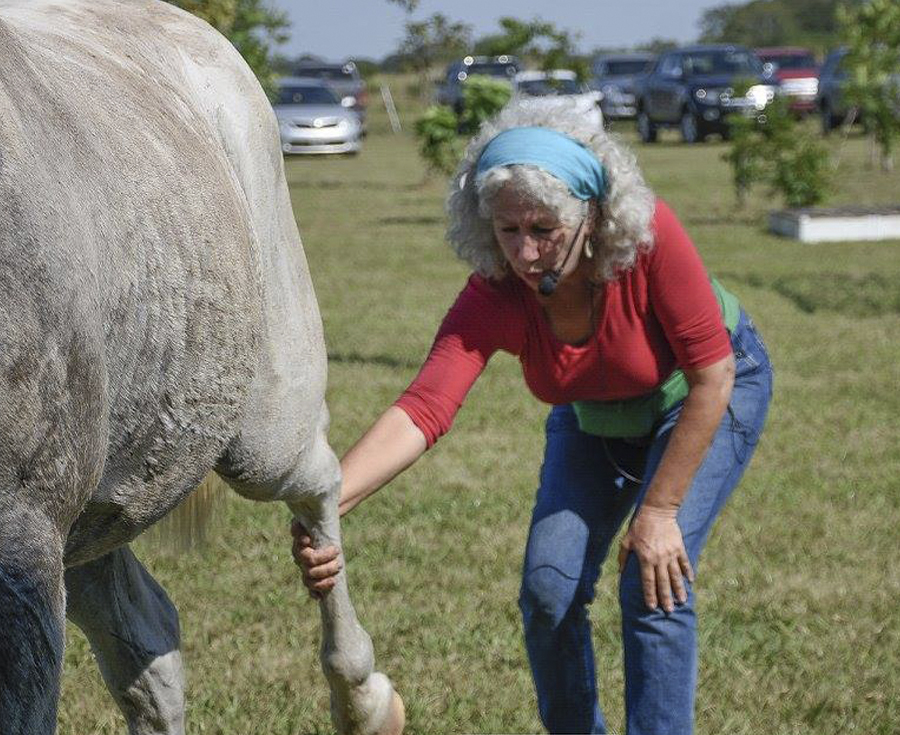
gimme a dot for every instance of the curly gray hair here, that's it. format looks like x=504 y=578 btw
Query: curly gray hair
x=622 y=221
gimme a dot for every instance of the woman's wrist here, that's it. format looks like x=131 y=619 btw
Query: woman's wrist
x=656 y=509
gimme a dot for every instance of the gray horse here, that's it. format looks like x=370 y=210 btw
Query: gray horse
x=157 y=321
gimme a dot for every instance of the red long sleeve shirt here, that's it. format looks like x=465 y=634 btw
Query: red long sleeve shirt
x=659 y=315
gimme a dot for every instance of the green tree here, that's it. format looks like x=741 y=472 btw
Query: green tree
x=439 y=128
x=757 y=23
x=253 y=28
x=811 y=23
x=408 y=5
x=872 y=33
x=538 y=41
x=657 y=45
x=439 y=144
x=436 y=39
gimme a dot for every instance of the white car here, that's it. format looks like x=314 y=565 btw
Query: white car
x=560 y=85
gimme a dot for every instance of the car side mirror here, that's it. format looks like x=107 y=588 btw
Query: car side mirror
x=348 y=101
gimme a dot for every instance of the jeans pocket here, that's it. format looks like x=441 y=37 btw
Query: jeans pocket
x=743 y=436
x=749 y=351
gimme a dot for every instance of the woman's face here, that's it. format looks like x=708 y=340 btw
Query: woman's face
x=532 y=239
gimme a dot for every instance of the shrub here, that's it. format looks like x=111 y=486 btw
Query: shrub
x=483 y=97
x=438 y=129
x=773 y=149
x=438 y=141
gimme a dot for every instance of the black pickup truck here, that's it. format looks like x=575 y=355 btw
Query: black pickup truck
x=693 y=89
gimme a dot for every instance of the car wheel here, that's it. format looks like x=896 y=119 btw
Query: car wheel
x=646 y=129
x=690 y=128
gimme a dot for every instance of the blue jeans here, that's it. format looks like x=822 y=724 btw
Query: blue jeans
x=584 y=497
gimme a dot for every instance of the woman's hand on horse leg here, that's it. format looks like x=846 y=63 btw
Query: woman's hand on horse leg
x=320 y=567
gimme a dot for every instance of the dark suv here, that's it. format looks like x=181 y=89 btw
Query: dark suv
x=450 y=91
x=344 y=79
x=693 y=89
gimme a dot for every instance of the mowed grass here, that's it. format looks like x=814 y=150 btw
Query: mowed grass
x=799 y=585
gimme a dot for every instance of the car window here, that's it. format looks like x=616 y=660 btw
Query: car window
x=296 y=95
x=330 y=73
x=671 y=66
x=721 y=62
x=545 y=87
x=790 y=61
x=626 y=67
x=492 y=70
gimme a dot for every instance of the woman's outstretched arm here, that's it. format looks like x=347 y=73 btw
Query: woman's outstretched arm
x=391 y=445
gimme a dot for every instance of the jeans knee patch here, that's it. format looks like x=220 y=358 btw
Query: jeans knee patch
x=547 y=593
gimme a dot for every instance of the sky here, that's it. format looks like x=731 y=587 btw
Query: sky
x=337 y=29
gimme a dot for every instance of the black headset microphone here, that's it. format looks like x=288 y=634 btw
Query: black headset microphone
x=550 y=278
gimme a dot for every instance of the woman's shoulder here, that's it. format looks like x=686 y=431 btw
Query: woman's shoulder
x=665 y=222
x=501 y=292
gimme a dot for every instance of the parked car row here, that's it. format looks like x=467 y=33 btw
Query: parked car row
x=322 y=107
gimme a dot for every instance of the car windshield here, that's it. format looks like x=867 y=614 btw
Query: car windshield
x=543 y=87
x=295 y=95
x=331 y=73
x=626 y=67
x=721 y=62
x=792 y=61
x=490 y=69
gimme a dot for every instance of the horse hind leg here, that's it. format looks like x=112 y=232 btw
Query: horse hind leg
x=363 y=701
x=133 y=630
x=32 y=626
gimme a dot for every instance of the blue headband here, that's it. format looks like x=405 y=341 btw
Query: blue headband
x=556 y=153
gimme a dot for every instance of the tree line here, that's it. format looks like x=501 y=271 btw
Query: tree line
x=811 y=23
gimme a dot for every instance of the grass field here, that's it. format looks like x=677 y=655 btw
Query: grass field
x=800 y=583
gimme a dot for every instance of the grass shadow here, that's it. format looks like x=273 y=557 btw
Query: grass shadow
x=719 y=220
x=420 y=220
x=355 y=358
x=351 y=184
x=871 y=294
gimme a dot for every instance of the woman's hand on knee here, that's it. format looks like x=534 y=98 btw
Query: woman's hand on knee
x=320 y=567
x=655 y=538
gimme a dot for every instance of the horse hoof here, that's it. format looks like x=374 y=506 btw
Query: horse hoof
x=396 y=718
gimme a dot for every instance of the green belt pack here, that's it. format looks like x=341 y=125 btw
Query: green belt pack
x=634 y=417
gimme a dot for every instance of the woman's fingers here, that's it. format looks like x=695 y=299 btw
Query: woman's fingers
x=664 y=588
x=308 y=557
x=686 y=569
x=677 y=581
x=648 y=582
x=323 y=571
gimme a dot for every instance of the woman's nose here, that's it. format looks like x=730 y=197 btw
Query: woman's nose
x=528 y=250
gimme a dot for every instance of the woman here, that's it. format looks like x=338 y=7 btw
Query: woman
x=657 y=405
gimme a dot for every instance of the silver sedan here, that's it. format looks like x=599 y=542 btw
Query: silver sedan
x=312 y=119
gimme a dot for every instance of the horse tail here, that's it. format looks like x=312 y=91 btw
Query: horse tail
x=187 y=525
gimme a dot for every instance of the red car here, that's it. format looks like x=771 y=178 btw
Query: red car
x=797 y=74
